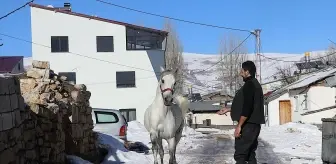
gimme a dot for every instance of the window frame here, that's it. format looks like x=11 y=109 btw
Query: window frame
x=97 y=37
x=75 y=80
x=150 y=34
x=118 y=85
x=109 y=113
x=59 y=49
x=128 y=110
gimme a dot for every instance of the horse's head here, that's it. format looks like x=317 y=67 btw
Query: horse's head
x=167 y=84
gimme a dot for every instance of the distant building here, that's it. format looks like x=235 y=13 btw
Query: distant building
x=307 y=100
x=11 y=64
x=217 y=96
x=204 y=115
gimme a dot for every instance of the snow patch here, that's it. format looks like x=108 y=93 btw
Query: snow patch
x=295 y=139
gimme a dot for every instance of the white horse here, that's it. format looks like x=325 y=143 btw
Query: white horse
x=164 y=118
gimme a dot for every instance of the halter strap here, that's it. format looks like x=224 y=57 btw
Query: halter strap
x=167 y=89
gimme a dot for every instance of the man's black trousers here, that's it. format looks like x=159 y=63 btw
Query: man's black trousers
x=247 y=143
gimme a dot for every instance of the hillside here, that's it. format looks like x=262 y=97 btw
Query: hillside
x=206 y=81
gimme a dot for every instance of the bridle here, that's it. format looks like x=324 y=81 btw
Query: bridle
x=167 y=89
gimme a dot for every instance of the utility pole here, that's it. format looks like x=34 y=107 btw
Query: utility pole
x=256 y=33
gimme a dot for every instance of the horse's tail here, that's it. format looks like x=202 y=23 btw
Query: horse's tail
x=183 y=103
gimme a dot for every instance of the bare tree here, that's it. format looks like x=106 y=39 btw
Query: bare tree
x=174 y=56
x=286 y=74
x=230 y=63
x=329 y=56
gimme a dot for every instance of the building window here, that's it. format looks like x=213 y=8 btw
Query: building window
x=106 y=117
x=129 y=114
x=105 y=44
x=137 y=39
x=59 y=44
x=125 y=79
x=71 y=76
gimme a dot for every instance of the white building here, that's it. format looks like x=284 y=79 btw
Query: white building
x=117 y=61
x=306 y=100
x=204 y=115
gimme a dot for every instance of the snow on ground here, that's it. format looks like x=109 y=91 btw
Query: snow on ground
x=295 y=139
x=137 y=133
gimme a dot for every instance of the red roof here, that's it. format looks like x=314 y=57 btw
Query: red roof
x=7 y=63
x=97 y=18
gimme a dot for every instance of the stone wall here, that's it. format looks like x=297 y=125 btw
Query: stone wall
x=52 y=118
x=13 y=140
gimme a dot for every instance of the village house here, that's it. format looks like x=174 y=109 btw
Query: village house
x=307 y=100
x=203 y=115
x=11 y=64
x=118 y=62
x=217 y=96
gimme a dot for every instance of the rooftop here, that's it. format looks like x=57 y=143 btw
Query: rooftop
x=304 y=81
x=69 y=12
x=7 y=63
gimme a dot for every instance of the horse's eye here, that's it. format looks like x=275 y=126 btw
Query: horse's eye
x=175 y=83
x=162 y=81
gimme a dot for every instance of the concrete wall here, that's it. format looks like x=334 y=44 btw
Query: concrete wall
x=216 y=119
x=315 y=118
x=318 y=97
x=97 y=70
x=273 y=109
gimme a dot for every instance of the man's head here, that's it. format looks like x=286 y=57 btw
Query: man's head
x=248 y=69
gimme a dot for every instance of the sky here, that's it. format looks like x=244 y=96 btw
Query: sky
x=287 y=26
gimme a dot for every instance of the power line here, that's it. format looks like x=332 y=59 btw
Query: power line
x=176 y=19
x=89 y=57
x=296 y=75
x=16 y=9
x=227 y=54
x=293 y=61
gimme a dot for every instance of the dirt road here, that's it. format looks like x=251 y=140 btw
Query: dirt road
x=220 y=150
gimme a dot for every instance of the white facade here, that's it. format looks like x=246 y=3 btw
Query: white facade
x=273 y=110
x=97 y=70
x=302 y=101
x=318 y=97
x=216 y=119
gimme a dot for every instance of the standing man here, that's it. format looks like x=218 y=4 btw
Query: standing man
x=251 y=115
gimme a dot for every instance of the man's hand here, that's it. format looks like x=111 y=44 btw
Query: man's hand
x=237 y=132
x=223 y=111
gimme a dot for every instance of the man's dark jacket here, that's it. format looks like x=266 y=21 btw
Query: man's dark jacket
x=237 y=105
x=256 y=109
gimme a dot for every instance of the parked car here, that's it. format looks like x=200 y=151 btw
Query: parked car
x=110 y=121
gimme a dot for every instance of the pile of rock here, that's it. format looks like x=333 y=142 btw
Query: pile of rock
x=53 y=101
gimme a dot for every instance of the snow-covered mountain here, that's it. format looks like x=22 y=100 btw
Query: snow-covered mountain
x=206 y=81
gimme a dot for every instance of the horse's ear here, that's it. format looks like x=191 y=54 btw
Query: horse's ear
x=162 y=69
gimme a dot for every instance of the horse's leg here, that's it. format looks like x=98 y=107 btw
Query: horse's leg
x=154 y=140
x=160 y=147
x=172 y=149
